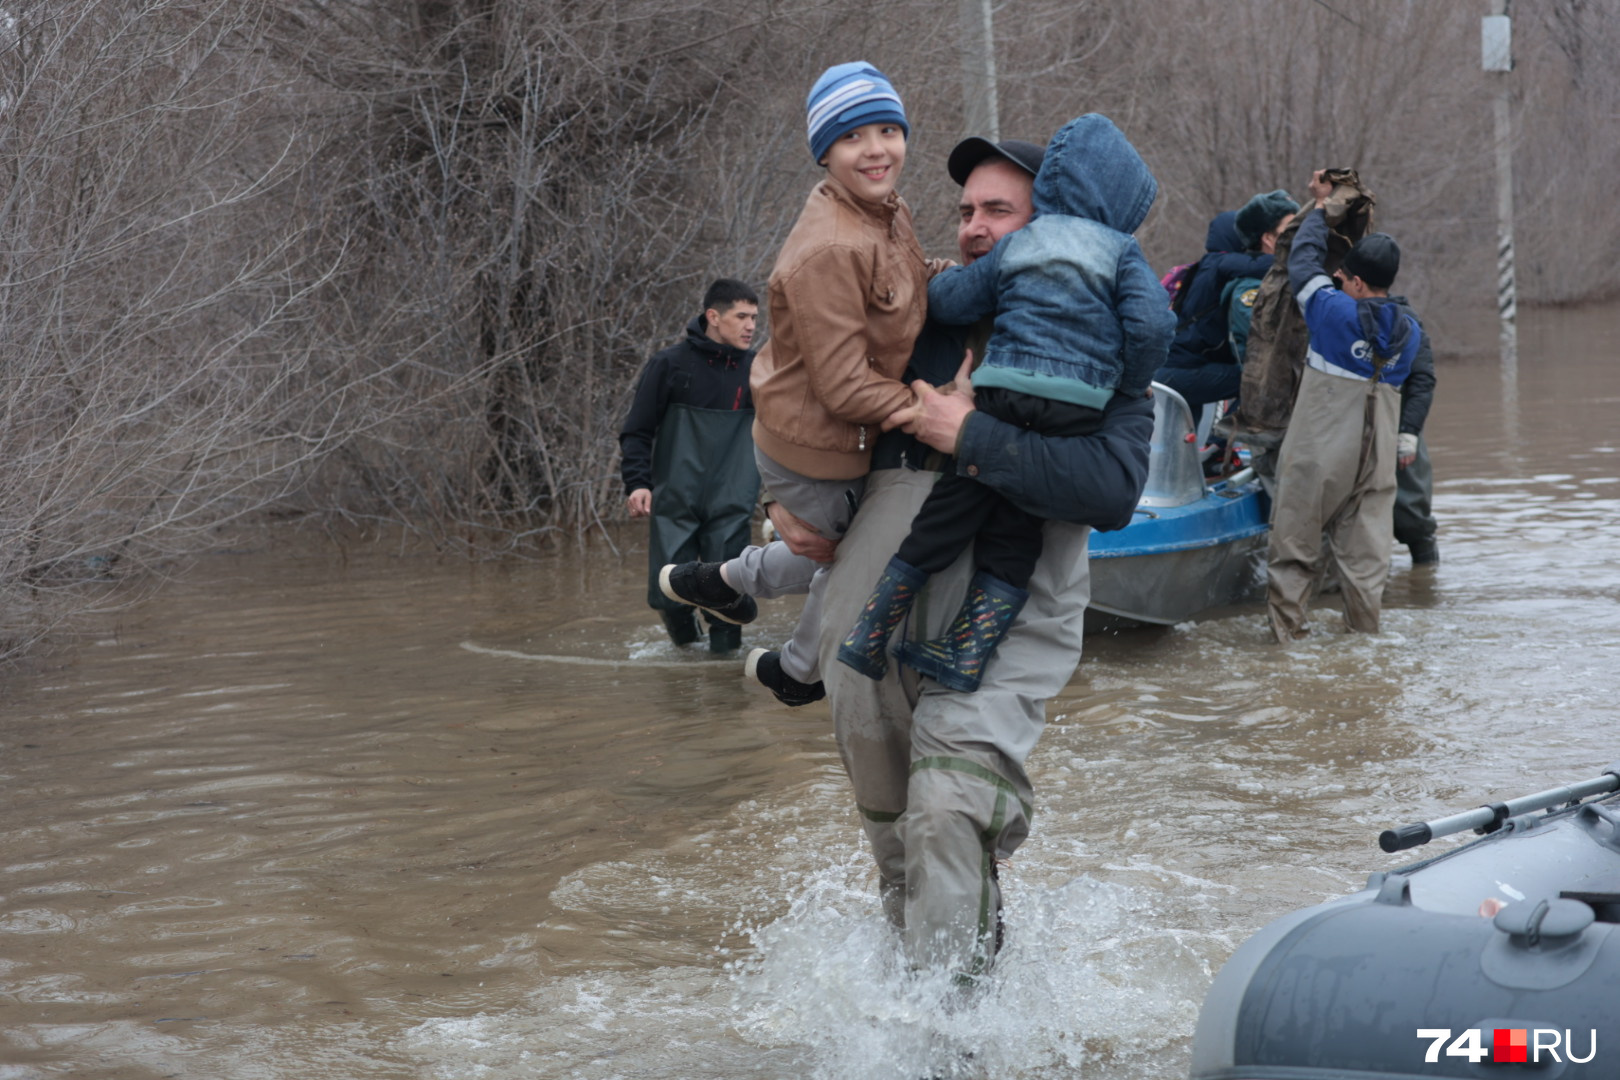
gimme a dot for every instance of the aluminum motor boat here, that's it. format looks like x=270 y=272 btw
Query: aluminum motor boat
x=1194 y=544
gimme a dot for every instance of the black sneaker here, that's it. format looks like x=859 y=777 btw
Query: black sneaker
x=765 y=668
x=700 y=584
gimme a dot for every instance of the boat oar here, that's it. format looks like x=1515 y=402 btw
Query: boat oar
x=1489 y=818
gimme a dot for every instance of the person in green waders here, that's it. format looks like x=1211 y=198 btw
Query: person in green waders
x=687 y=456
x=1415 y=525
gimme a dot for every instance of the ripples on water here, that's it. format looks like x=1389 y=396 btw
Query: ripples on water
x=398 y=818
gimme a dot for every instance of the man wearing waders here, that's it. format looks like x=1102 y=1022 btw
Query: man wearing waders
x=688 y=457
x=1414 y=477
x=1336 y=466
x=938 y=776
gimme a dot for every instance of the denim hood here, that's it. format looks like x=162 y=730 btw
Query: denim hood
x=1092 y=171
x=1079 y=314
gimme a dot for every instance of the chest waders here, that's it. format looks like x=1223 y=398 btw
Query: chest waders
x=705 y=486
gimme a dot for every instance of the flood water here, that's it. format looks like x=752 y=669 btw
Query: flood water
x=301 y=816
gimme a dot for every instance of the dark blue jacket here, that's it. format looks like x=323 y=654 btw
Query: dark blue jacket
x=1092 y=480
x=1201 y=325
x=700 y=373
x=1078 y=311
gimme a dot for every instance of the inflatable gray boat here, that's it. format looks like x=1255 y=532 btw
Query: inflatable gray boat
x=1499 y=958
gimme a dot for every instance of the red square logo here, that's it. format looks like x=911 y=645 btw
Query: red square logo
x=1510 y=1044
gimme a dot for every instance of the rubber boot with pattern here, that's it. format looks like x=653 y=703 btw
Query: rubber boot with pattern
x=866 y=647
x=956 y=661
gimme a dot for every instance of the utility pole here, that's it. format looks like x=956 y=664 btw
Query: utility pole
x=1496 y=43
x=979 y=109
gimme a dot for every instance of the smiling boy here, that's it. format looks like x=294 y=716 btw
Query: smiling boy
x=846 y=298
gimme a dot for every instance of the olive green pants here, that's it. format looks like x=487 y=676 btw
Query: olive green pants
x=938 y=776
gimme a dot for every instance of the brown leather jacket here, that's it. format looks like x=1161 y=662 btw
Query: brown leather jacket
x=846 y=299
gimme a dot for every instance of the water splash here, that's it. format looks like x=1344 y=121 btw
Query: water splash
x=1091 y=976
x=1097 y=979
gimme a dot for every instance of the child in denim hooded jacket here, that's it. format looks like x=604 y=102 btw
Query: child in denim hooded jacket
x=1079 y=317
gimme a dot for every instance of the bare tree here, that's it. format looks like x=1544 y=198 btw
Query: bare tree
x=395 y=264
x=145 y=393
x=543 y=191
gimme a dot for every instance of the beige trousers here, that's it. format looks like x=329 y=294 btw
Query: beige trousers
x=1335 y=478
x=938 y=776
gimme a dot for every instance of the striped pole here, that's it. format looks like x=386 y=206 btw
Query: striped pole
x=1497 y=54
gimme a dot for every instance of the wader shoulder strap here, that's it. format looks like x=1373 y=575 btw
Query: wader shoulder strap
x=1369 y=409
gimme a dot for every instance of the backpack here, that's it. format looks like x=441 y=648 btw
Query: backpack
x=1237 y=300
x=1175 y=283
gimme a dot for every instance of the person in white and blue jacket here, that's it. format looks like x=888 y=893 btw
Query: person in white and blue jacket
x=1079 y=318
x=1336 y=465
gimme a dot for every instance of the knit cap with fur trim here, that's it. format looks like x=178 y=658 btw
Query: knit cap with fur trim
x=1261 y=214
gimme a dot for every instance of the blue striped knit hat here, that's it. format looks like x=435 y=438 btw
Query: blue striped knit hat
x=846 y=97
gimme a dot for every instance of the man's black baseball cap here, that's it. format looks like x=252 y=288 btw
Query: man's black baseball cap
x=972 y=150
x=1375 y=259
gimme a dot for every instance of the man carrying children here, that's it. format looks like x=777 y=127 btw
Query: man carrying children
x=938 y=775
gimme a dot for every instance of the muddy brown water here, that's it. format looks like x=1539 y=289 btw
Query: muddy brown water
x=390 y=817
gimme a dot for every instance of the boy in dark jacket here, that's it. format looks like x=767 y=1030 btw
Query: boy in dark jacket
x=1079 y=317
x=687 y=458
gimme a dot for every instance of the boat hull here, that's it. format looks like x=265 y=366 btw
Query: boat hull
x=1191 y=545
x=1170 y=564
x=1339 y=991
